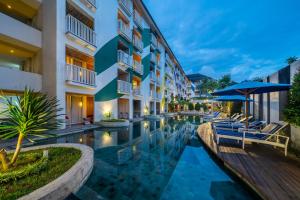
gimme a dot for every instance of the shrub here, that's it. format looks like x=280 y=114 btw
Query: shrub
x=191 y=106
x=197 y=106
x=292 y=111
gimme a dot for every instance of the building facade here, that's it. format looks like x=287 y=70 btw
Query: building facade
x=99 y=58
x=269 y=107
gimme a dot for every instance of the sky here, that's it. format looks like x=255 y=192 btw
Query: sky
x=244 y=38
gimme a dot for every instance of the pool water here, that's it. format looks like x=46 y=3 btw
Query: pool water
x=153 y=160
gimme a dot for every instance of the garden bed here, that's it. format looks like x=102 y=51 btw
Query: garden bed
x=34 y=171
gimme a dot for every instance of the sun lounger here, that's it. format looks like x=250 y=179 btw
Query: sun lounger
x=240 y=125
x=269 y=135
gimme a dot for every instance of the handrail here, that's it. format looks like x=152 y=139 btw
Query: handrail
x=80 y=30
x=80 y=75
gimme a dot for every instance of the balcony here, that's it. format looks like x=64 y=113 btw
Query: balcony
x=138 y=67
x=126 y=6
x=19 y=33
x=124 y=59
x=137 y=92
x=123 y=87
x=80 y=76
x=124 y=30
x=138 y=19
x=76 y=28
x=153 y=58
x=158 y=96
x=153 y=40
x=158 y=82
x=151 y=94
x=17 y=80
x=137 y=42
x=91 y=2
x=152 y=76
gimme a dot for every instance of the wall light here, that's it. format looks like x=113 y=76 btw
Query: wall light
x=11 y=51
x=80 y=104
x=8 y=6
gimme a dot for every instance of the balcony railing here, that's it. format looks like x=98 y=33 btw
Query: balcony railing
x=81 y=76
x=127 y=6
x=152 y=76
x=137 y=92
x=138 y=67
x=124 y=30
x=124 y=58
x=153 y=40
x=158 y=96
x=137 y=42
x=123 y=87
x=158 y=82
x=80 y=30
x=92 y=2
x=138 y=19
x=153 y=58
x=151 y=94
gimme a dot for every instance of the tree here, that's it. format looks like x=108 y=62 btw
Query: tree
x=32 y=114
x=225 y=81
x=207 y=86
x=197 y=106
x=292 y=110
x=191 y=106
x=291 y=59
x=257 y=79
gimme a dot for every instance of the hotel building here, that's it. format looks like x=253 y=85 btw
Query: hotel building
x=99 y=58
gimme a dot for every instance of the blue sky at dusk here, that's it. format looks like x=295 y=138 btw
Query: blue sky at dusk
x=246 y=38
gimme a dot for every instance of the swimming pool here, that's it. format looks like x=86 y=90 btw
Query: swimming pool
x=153 y=160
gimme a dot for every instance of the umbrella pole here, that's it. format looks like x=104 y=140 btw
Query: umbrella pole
x=247 y=105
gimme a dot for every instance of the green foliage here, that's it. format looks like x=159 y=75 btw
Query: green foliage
x=292 y=110
x=291 y=59
x=191 y=106
x=204 y=106
x=225 y=81
x=28 y=170
x=60 y=160
x=257 y=79
x=207 y=86
x=33 y=113
x=197 y=106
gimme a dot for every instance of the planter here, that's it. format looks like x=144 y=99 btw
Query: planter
x=152 y=116
x=116 y=124
x=70 y=181
x=295 y=136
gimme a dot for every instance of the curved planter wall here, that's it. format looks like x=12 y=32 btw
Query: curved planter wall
x=70 y=181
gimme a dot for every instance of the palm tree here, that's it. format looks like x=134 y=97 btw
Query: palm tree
x=291 y=59
x=31 y=114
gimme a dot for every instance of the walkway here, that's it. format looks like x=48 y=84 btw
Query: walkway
x=262 y=167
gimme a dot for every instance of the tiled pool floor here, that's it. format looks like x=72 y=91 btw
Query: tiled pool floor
x=197 y=176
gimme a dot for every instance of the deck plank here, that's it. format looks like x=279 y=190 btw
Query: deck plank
x=263 y=167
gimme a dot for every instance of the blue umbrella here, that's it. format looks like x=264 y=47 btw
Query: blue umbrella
x=251 y=87
x=231 y=98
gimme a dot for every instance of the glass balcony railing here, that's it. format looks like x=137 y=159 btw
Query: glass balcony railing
x=137 y=91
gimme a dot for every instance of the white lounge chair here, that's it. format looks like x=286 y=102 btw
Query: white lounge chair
x=269 y=135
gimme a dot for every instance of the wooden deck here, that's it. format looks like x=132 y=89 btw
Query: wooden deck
x=263 y=168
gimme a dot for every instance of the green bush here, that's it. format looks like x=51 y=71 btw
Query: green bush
x=204 y=106
x=292 y=111
x=197 y=106
x=191 y=106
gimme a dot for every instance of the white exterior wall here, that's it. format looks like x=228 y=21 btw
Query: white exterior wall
x=274 y=100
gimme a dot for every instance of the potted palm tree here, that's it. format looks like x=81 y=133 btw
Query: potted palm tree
x=32 y=114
